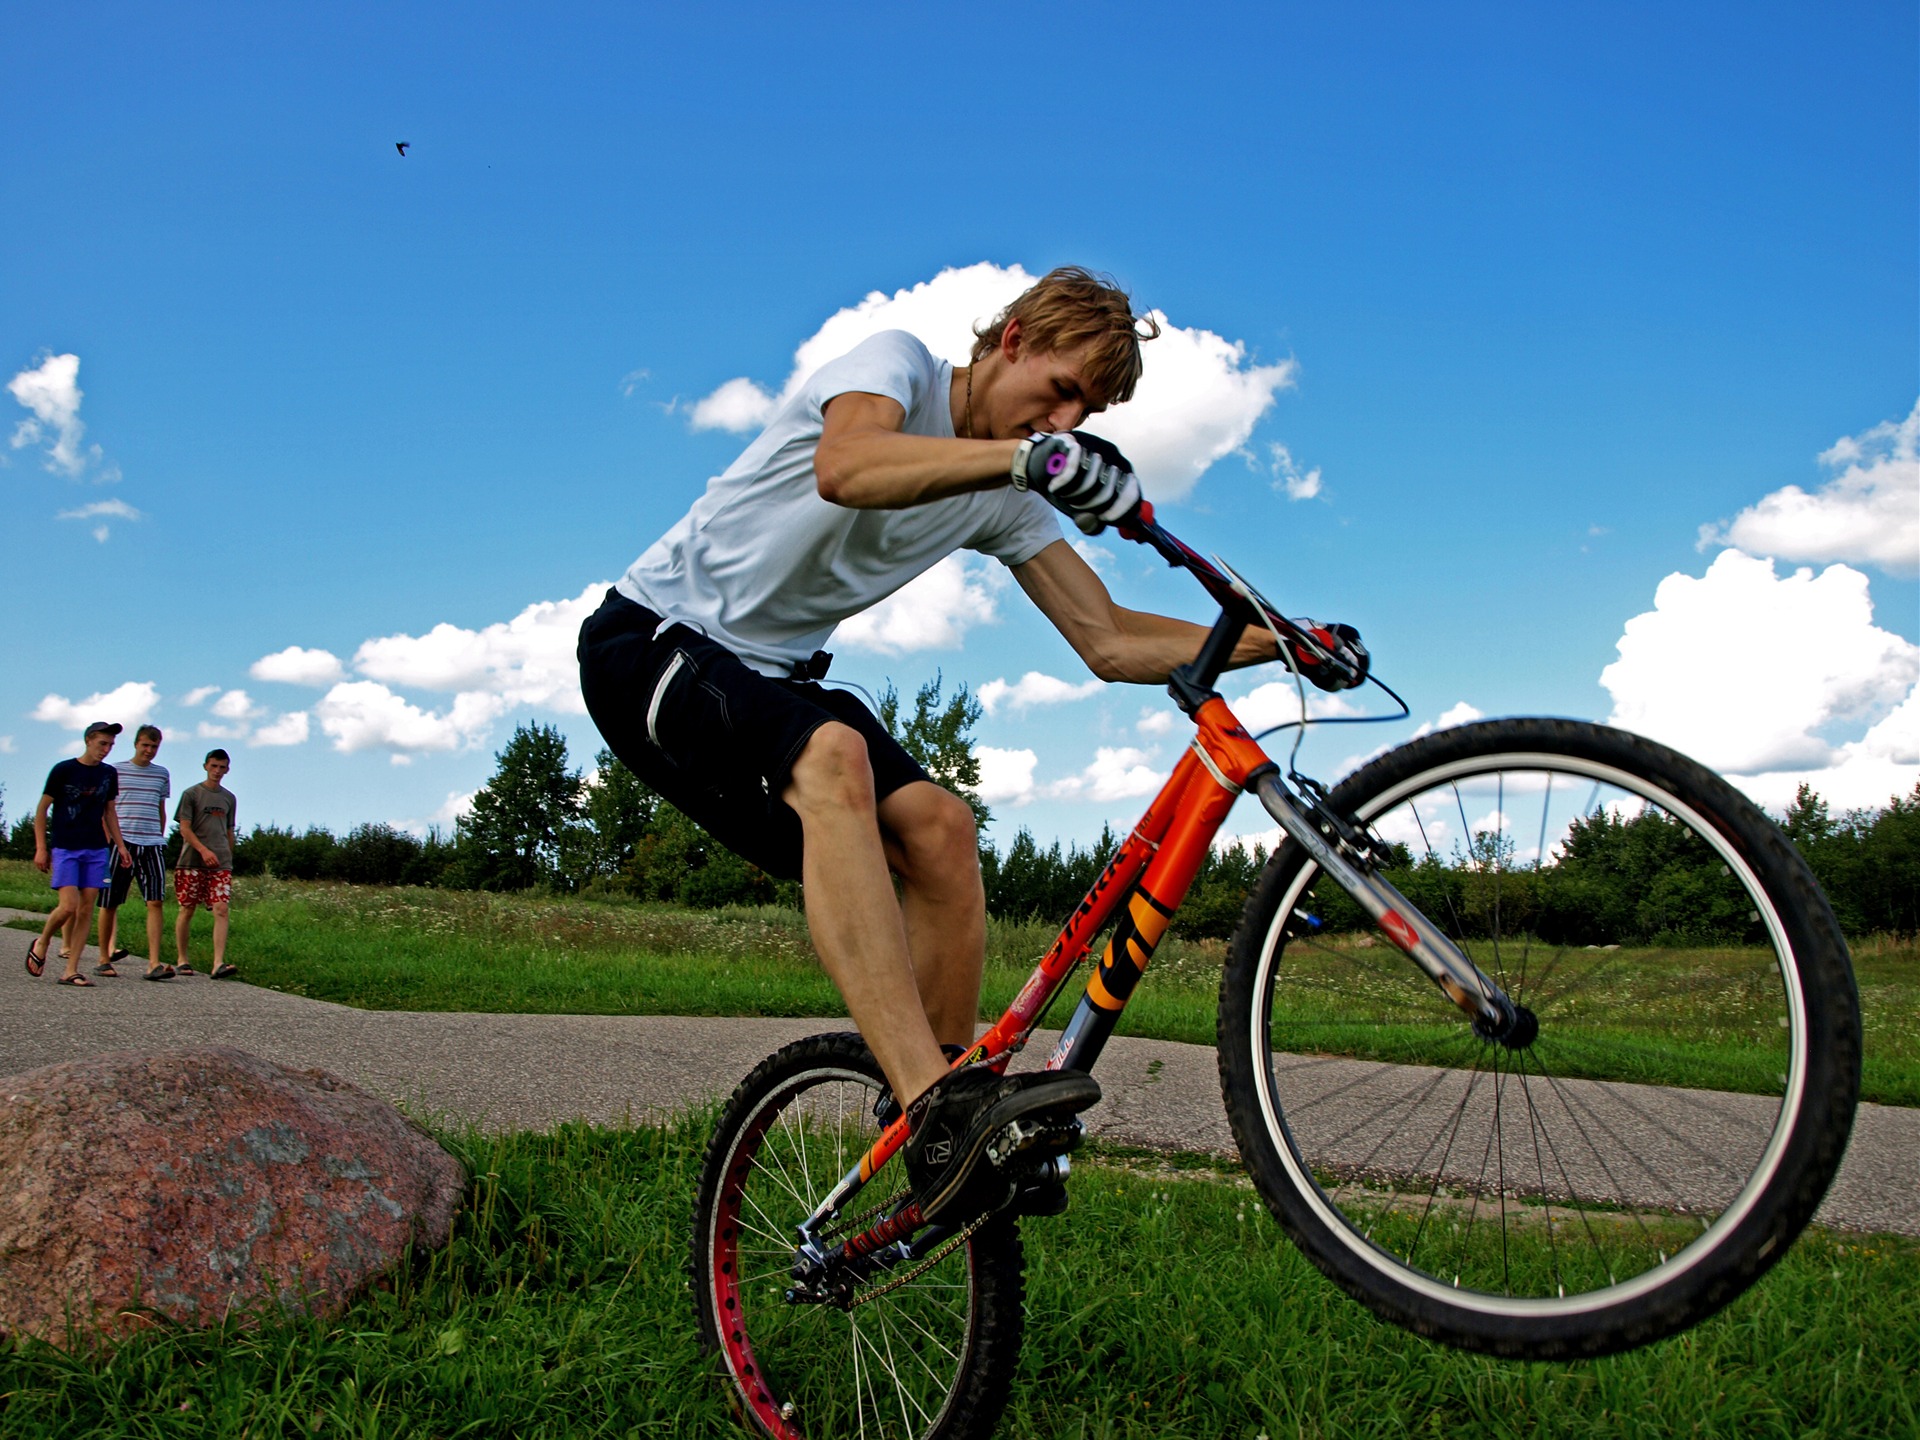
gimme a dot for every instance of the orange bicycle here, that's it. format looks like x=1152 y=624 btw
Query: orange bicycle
x=1499 y=1129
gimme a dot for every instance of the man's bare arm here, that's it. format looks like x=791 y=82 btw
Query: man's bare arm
x=40 y=850
x=864 y=462
x=111 y=821
x=1117 y=643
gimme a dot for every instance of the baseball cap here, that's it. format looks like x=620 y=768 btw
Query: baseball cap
x=100 y=726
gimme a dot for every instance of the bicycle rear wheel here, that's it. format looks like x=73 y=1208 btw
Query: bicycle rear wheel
x=933 y=1357
x=1643 y=1159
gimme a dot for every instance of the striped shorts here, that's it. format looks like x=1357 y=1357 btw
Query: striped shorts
x=149 y=871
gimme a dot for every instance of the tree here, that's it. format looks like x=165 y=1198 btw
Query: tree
x=940 y=738
x=1890 y=866
x=620 y=810
x=521 y=820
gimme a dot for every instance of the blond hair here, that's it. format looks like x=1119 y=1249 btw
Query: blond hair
x=1072 y=307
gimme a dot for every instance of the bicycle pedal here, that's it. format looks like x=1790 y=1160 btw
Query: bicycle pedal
x=1040 y=1201
x=1042 y=1191
x=1042 y=1135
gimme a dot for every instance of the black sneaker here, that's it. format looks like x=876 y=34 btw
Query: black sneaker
x=977 y=1137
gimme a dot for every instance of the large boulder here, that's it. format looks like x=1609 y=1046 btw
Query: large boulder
x=197 y=1184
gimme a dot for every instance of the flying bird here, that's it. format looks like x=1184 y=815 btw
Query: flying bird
x=401 y=146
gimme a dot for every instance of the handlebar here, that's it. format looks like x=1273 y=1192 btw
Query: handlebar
x=1239 y=602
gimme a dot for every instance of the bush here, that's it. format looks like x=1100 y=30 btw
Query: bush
x=19 y=842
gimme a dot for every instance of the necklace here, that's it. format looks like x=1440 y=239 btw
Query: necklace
x=969 y=402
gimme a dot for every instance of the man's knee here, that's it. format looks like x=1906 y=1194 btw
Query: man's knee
x=832 y=769
x=934 y=829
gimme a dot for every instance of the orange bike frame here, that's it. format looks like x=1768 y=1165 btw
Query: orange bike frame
x=1150 y=873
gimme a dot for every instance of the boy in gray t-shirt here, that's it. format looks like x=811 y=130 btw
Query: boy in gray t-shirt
x=203 y=874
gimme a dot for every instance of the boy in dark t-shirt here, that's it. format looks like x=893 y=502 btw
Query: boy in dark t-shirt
x=203 y=875
x=76 y=839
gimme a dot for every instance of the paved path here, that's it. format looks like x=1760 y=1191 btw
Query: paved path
x=532 y=1071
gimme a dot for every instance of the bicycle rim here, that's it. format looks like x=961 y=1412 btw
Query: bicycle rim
x=903 y=1364
x=1607 y=1178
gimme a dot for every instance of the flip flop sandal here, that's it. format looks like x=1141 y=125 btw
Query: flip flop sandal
x=76 y=979
x=36 y=964
x=117 y=957
x=105 y=967
x=222 y=972
x=185 y=970
x=165 y=972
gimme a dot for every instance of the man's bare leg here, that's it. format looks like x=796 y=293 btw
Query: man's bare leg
x=851 y=910
x=78 y=924
x=182 y=926
x=219 y=933
x=154 y=924
x=109 y=930
x=933 y=845
x=56 y=923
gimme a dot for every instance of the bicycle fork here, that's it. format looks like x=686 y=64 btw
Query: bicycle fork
x=1320 y=834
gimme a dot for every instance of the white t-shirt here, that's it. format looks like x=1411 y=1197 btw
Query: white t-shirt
x=766 y=567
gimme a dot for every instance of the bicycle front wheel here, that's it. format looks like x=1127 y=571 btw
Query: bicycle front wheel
x=924 y=1352
x=1643 y=1158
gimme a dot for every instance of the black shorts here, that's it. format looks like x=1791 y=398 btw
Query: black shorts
x=149 y=869
x=716 y=738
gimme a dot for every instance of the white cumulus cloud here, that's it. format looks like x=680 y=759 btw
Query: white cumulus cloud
x=1277 y=702
x=51 y=390
x=1869 y=513
x=1117 y=773
x=737 y=405
x=129 y=704
x=1005 y=775
x=366 y=715
x=528 y=660
x=933 y=611
x=1198 y=399
x=295 y=666
x=1031 y=689
x=236 y=705
x=1459 y=713
x=291 y=728
x=1750 y=672
x=1289 y=478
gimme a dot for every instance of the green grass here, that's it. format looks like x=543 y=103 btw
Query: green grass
x=416 y=949
x=1165 y=1303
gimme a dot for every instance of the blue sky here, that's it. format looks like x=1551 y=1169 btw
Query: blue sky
x=1529 y=295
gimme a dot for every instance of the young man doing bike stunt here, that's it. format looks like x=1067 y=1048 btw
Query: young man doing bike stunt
x=701 y=668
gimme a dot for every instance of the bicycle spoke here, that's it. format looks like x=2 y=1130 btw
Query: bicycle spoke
x=1539 y=864
x=1648 y=933
x=1540 y=1171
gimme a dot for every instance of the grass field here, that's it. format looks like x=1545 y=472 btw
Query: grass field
x=1165 y=1303
x=414 y=949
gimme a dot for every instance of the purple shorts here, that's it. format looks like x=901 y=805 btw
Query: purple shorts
x=87 y=869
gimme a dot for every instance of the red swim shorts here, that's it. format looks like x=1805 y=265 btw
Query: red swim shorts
x=203 y=887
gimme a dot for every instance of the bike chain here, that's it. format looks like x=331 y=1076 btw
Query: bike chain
x=848 y=1223
x=867 y=1296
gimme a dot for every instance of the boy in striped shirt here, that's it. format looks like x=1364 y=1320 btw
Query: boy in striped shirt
x=142 y=808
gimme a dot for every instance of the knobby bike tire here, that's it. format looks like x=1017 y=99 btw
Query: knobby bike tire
x=1659 y=1144
x=933 y=1358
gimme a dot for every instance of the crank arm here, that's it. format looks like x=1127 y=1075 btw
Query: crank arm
x=1463 y=982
